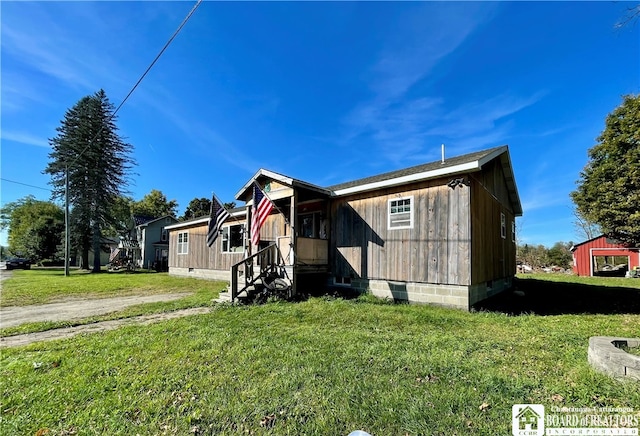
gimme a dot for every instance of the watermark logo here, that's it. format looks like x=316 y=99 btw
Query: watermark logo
x=531 y=420
x=527 y=419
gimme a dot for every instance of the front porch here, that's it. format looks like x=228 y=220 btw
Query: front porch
x=293 y=239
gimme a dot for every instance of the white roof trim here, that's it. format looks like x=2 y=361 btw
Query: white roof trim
x=492 y=156
x=466 y=167
x=204 y=219
x=262 y=172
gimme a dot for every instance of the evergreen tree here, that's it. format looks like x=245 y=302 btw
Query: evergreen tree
x=608 y=191
x=98 y=162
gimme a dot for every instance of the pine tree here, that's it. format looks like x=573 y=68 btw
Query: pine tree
x=98 y=161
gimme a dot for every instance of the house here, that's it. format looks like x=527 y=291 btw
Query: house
x=528 y=419
x=441 y=233
x=604 y=256
x=147 y=242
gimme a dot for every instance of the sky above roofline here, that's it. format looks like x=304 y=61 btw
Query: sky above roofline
x=325 y=92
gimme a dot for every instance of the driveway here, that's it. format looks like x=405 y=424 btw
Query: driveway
x=71 y=309
x=68 y=332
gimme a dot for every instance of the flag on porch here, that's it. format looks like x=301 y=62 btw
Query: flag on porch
x=218 y=215
x=261 y=209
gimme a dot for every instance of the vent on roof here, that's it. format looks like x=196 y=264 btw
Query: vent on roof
x=442 y=154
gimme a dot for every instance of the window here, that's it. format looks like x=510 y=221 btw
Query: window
x=513 y=231
x=164 y=233
x=309 y=224
x=342 y=281
x=401 y=213
x=183 y=243
x=233 y=239
x=503 y=226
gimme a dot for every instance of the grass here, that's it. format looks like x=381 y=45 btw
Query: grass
x=323 y=366
x=38 y=286
x=46 y=285
x=632 y=350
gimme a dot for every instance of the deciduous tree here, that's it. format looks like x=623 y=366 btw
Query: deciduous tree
x=197 y=207
x=35 y=228
x=155 y=204
x=608 y=191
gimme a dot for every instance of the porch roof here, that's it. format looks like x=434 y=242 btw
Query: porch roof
x=285 y=180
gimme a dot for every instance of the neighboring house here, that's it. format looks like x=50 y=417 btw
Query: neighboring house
x=107 y=243
x=441 y=233
x=153 y=239
x=147 y=243
x=603 y=256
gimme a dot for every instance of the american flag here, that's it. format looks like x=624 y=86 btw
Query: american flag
x=261 y=209
x=218 y=215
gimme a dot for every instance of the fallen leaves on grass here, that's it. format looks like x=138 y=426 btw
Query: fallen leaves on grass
x=268 y=421
x=484 y=406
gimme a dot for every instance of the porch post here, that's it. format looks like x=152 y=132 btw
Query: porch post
x=293 y=223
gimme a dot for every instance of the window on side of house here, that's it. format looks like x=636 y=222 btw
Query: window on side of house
x=513 y=231
x=503 y=226
x=233 y=239
x=164 y=235
x=342 y=281
x=309 y=224
x=183 y=243
x=400 y=213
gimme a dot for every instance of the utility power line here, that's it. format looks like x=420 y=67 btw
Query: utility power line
x=142 y=77
x=66 y=190
x=24 y=184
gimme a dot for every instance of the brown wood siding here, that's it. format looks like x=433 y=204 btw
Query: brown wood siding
x=435 y=250
x=200 y=256
x=492 y=257
x=274 y=227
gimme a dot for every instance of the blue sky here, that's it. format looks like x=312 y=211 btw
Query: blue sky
x=321 y=91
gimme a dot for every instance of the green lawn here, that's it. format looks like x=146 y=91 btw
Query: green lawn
x=321 y=367
x=38 y=286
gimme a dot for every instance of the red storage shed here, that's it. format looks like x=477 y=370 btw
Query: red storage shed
x=602 y=256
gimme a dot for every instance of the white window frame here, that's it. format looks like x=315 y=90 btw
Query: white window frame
x=225 y=237
x=513 y=231
x=183 y=243
x=503 y=226
x=409 y=224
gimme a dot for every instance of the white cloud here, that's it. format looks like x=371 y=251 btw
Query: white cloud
x=197 y=134
x=25 y=138
x=397 y=118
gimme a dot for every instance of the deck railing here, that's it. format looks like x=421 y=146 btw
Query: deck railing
x=267 y=260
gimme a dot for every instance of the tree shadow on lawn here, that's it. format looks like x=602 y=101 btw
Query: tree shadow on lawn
x=555 y=298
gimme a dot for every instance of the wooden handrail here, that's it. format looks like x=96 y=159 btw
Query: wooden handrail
x=249 y=279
